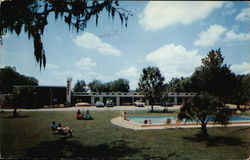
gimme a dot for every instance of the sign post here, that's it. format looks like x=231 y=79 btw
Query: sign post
x=68 y=91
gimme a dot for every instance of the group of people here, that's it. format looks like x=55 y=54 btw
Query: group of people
x=80 y=115
x=61 y=130
x=147 y=121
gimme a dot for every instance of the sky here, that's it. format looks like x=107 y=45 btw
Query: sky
x=171 y=35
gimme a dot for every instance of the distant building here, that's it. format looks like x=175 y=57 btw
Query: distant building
x=127 y=98
x=47 y=95
x=55 y=95
x=119 y=98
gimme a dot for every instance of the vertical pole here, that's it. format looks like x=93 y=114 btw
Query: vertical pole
x=92 y=100
x=175 y=100
x=51 y=97
x=117 y=101
x=68 y=91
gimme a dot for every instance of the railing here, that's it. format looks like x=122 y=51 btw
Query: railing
x=170 y=94
x=108 y=93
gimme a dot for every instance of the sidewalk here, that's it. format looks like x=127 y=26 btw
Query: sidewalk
x=94 y=108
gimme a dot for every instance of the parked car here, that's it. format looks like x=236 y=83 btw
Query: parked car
x=109 y=104
x=99 y=104
x=82 y=104
x=167 y=104
x=139 y=104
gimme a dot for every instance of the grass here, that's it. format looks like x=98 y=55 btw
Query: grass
x=31 y=137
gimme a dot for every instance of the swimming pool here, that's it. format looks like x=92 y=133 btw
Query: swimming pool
x=162 y=119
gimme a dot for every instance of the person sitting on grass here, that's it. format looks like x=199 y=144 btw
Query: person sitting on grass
x=53 y=126
x=64 y=130
x=79 y=115
x=87 y=115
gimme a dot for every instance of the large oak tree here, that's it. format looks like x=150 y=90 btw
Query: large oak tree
x=31 y=16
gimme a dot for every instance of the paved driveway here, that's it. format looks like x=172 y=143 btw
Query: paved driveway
x=93 y=108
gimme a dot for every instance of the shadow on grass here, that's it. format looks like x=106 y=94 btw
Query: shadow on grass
x=68 y=148
x=19 y=116
x=241 y=129
x=173 y=155
x=217 y=140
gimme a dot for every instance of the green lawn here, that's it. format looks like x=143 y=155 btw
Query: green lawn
x=31 y=137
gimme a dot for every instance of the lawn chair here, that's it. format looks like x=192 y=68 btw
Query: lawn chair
x=64 y=131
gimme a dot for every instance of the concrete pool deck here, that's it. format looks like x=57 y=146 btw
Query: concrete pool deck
x=118 y=121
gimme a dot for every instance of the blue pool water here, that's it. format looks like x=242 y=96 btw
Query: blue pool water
x=162 y=119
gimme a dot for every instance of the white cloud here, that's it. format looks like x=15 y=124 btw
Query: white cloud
x=210 y=36
x=232 y=36
x=243 y=68
x=85 y=64
x=244 y=15
x=90 y=41
x=228 y=4
x=131 y=74
x=50 y=67
x=60 y=77
x=228 y=8
x=174 y=60
x=160 y=14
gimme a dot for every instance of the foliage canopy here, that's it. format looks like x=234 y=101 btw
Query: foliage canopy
x=151 y=84
x=204 y=109
x=213 y=77
x=79 y=86
x=10 y=77
x=120 y=85
x=32 y=15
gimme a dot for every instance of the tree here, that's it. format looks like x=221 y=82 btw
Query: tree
x=246 y=88
x=32 y=15
x=10 y=77
x=79 y=86
x=23 y=97
x=242 y=91
x=151 y=84
x=213 y=77
x=95 y=86
x=180 y=85
x=204 y=109
x=120 y=85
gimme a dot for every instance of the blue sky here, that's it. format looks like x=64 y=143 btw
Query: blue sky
x=171 y=35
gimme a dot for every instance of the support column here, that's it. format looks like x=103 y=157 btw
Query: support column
x=101 y=99
x=118 y=101
x=147 y=102
x=175 y=100
x=92 y=100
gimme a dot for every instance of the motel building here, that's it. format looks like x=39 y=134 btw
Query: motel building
x=126 y=98
x=63 y=95
x=119 y=98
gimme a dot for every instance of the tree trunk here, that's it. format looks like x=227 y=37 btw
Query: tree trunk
x=152 y=105
x=204 y=130
x=15 y=112
x=238 y=106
